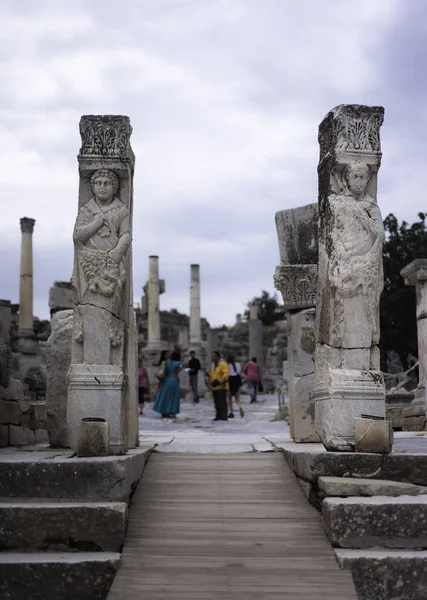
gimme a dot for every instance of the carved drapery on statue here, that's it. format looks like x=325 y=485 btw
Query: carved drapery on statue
x=350 y=275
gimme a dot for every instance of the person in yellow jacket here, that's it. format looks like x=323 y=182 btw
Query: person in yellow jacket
x=218 y=377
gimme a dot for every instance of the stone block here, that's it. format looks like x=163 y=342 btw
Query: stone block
x=4 y=436
x=386 y=574
x=28 y=421
x=58 y=360
x=25 y=406
x=350 y=486
x=415 y=410
x=386 y=522
x=40 y=411
x=414 y=424
x=62 y=526
x=41 y=436
x=372 y=435
x=54 y=575
x=15 y=391
x=10 y=412
x=297 y=235
x=21 y=436
x=395 y=417
x=93 y=438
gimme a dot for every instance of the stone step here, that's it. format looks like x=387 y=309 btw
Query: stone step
x=386 y=522
x=352 y=486
x=59 y=474
x=62 y=526
x=54 y=575
x=385 y=574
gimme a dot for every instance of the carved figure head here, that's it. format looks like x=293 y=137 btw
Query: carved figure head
x=356 y=176
x=100 y=271
x=104 y=184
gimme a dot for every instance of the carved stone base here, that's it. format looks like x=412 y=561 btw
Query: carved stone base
x=348 y=394
x=98 y=391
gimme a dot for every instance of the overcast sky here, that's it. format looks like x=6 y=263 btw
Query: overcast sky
x=225 y=98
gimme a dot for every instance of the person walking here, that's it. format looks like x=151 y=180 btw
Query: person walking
x=253 y=378
x=234 y=385
x=143 y=385
x=168 y=397
x=161 y=367
x=194 y=366
x=218 y=377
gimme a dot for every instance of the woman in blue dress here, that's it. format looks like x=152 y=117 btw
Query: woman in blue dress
x=168 y=398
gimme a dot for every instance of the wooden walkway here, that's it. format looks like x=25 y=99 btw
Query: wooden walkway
x=225 y=527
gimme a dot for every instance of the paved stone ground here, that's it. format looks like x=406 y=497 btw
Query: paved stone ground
x=194 y=431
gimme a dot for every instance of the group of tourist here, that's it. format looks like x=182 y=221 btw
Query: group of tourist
x=224 y=379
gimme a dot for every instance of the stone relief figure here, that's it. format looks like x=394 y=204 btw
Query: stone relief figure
x=101 y=239
x=355 y=261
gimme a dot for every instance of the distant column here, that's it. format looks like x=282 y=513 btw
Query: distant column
x=255 y=335
x=25 y=323
x=195 y=323
x=153 y=303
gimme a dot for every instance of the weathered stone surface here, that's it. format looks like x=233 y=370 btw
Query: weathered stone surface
x=395 y=417
x=309 y=462
x=387 y=574
x=297 y=235
x=58 y=360
x=49 y=575
x=61 y=296
x=350 y=275
x=4 y=436
x=104 y=365
x=110 y=478
x=93 y=438
x=15 y=391
x=35 y=378
x=6 y=364
x=415 y=410
x=349 y=486
x=399 y=522
x=42 y=436
x=371 y=435
x=414 y=424
x=21 y=436
x=10 y=412
x=62 y=526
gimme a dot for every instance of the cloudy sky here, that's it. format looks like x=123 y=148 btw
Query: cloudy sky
x=225 y=97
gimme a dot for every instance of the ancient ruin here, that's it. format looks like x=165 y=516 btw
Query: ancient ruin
x=102 y=375
x=348 y=380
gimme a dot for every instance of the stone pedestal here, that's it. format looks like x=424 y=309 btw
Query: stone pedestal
x=297 y=284
x=416 y=274
x=348 y=380
x=27 y=339
x=195 y=322
x=102 y=379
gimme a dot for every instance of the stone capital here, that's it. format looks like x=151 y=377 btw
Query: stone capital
x=415 y=272
x=297 y=284
x=27 y=225
x=105 y=136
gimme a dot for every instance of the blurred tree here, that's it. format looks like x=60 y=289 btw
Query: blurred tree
x=269 y=309
x=403 y=244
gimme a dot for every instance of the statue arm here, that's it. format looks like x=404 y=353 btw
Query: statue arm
x=122 y=245
x=83 y=229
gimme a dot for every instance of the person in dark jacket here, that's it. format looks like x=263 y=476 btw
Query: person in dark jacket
x=194 y=366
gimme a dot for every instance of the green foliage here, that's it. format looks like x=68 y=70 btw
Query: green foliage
x=269 y=310
x=403 y=244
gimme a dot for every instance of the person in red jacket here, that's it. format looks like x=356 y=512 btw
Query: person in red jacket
x=253 y=377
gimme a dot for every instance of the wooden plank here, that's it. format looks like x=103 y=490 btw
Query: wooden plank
x=225 y=527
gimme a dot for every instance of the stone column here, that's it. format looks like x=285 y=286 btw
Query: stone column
x=27 y=340
x=102 y=379
x=255 y=336
x=348 y=380
x=195 y=322
x=183 y=338
x=5 y=321
x=153 y=294
x=416 y=274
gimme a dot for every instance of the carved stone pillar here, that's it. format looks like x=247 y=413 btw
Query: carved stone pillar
x=103 y=372
x=27 y=341
x=255 y=336
x=153 y=296
x=416 y=274
x=348 y=380
x=297 y=284
x=195 y=322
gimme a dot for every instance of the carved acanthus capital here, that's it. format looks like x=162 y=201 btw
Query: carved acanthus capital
x=105 y=136
x=27 y=225
x=351 y=128
x=297 y=284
